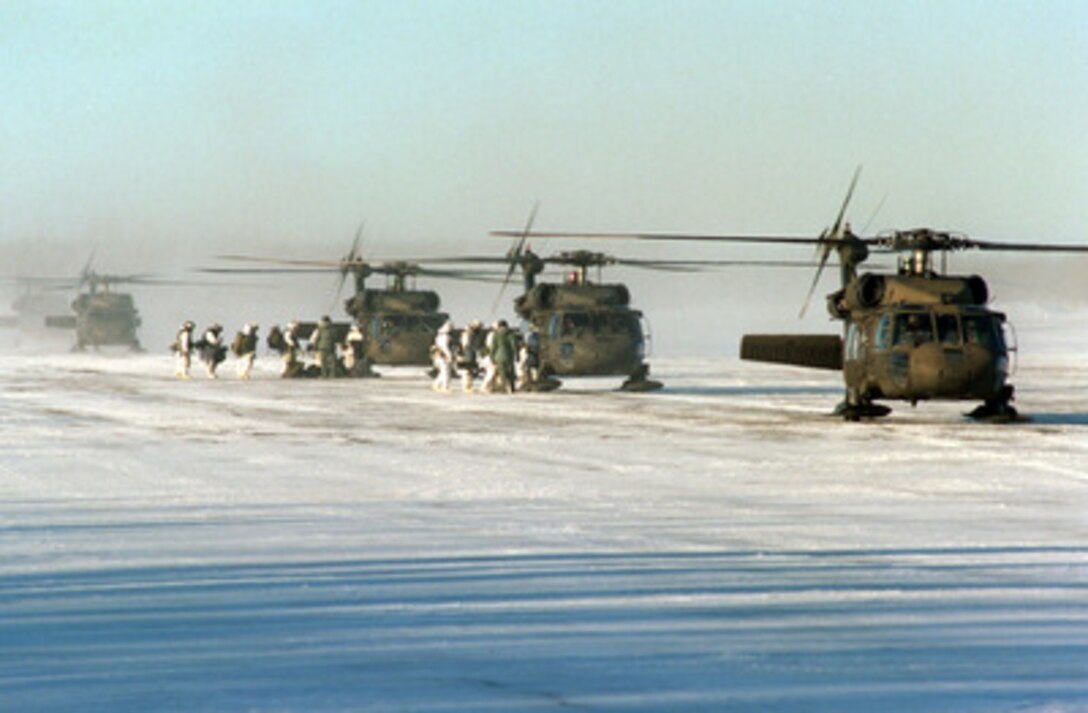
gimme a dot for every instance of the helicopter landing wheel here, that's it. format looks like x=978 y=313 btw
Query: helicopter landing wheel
x=543 y=384
x=854 y=412
x=638 y=380
x=997 y=409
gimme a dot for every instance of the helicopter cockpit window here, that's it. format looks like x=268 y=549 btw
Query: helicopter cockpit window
x=624 y=324
x=984 y=331
x=912 y=329
x=948 y=330
x=574 y=322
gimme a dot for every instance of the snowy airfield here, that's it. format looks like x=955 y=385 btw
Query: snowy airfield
x=722 y=545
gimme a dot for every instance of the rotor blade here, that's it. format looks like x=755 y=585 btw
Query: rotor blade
x=845 y=203
x=516 y=254
x=1026 y=247
x=281 y=261
x=876 y=211
x=783 y=239
x=352 y=256
x=455 y=259
x=698 y=264
x=828 y=240
x=825 y=252
x=87 y=266
x=266 y=270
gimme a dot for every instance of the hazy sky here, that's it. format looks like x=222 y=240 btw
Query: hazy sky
x=279 y=126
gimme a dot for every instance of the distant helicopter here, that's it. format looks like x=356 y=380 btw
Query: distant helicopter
x=101 y=317
x=104 y=317
x=399 y=322
x=911 y=336
x=38 y=306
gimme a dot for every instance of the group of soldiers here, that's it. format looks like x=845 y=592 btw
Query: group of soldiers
x=332 y=357
x=213 y=351
x=507 y=361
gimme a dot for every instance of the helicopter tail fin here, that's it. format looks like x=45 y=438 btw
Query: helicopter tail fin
x=816 y=351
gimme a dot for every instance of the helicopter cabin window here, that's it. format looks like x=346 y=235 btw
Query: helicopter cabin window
x=554 y=326
x=883 y=337
x=948 y=330
x=912 y=329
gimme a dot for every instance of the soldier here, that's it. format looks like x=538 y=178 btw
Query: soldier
x=183 y=347
x=324 y=340
x=245 y=350
x=468 y=354
x=443 y=356
x=531 y=356
x=354 y=348
x=212 y=351
x=503 y=353
x=292 y=350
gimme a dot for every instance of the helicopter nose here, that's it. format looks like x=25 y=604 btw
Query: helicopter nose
x=936 y=371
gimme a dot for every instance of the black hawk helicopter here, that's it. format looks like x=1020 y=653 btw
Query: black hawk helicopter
x=38 y=306
x=105 y=317
x=102 y=317
x=399 y=322
x=585 y=327
x=915 y=335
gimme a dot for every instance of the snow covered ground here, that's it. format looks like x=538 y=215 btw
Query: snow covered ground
x=372 y=545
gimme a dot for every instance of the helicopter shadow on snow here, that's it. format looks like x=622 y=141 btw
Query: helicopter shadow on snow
x=753 y=390
x=1058 y=419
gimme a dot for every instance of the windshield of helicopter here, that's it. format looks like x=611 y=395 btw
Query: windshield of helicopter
x=398 y=324
x=913 y=329
x=568 y=324
x=948 y=330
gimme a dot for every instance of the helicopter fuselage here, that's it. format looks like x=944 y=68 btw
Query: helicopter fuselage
x=907 y=338
x=105 y=319
x=585 y=329
x=918 y=352
x=601 y=342
x=399 y=325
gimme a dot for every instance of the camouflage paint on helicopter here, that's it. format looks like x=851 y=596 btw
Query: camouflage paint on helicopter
x=587 y=328
x=911 y=336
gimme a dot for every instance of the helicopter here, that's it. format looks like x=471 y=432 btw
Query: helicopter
x=101 y=316
x=104 y=317
x=38 y=306
x=584 y=327
x=916 y=335
x=399 y=322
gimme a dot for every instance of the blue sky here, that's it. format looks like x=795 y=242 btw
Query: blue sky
x=199 y=124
